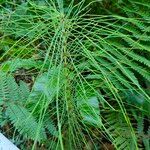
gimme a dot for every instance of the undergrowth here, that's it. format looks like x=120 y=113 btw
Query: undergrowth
x=75 y=74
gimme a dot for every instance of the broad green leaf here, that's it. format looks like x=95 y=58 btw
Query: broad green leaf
x=47 y=84
x=88 y=106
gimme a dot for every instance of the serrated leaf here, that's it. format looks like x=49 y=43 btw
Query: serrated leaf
x=88 y=106
x=46 y=84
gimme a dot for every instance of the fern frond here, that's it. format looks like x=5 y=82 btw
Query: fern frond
x=9 y=88
x=24 y=91
x=120 y=131
x=15 y=64
x=24 y=122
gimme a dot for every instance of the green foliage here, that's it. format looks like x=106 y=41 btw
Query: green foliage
x=88 y=106
x=16 y=64
x=121 y=131
x=15 y=98
x=25 y=123
x=90 y=73
x=141 y=134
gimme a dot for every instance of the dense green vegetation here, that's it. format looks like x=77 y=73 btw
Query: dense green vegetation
x=75 y=75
